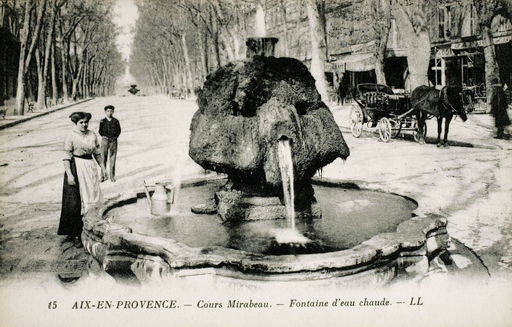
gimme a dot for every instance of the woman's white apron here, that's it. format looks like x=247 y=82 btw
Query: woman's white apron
x=88 y=182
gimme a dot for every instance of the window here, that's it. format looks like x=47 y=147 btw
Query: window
x=438 y=67
x=445 y=21
x=441 y=23
x=472 y=19
x=467 y=70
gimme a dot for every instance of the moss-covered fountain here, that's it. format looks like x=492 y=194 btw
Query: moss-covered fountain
x=262 y=124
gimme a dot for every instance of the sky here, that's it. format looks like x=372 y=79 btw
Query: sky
x=125 y=16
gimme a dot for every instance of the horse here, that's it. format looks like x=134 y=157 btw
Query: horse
x=442 y=103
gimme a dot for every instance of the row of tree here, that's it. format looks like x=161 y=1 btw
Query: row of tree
x=65 y=49
x=178 y=42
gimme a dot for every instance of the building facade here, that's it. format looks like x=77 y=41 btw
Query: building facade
x=456 y=43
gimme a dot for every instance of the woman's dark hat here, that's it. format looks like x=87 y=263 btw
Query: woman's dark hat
x=77 y=115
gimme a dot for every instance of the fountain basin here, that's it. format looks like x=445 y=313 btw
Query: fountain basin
x=400 y=248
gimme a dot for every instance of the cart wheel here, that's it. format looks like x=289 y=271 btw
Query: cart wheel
x=417 y=134
x=356 y=124
x=384 y=129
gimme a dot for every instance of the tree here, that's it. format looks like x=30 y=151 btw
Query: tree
x=26 y=53
x=61 y=35
x=11 y=13
x=487 y=10
x=283 y=10
x=43 y=69
x=379 y=19
x=413 y=19
x=316 y=18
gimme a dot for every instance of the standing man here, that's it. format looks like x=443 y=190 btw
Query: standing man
x=110 y=129
x=499 y=108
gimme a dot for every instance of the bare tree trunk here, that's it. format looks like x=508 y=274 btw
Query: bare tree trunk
x=3 y=61
x=64 y=57
x=282 y=6
x=88 y=76
x=216 y=48
x=188 y=68
x=20 y=90
x=166 y=64
x=157 y=77
x=40 y=87
x=55 y=91
x=47 y=49
x=35 y=39
x=3 y=77
x=215 y=39
x=418 y=60
x=417 y=48
x=204 y=57
x=76 y=80
x=492 y=75
x=237 y=47
x=74 y=88
x=382 y=13
x=2 y=14
x=318 y=54
x=229 y=49
x=84 y=80
x=379 y=69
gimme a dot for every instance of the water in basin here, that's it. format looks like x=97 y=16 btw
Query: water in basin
x=349 y=217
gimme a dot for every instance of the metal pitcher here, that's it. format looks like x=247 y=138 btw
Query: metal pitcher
x=161 y=200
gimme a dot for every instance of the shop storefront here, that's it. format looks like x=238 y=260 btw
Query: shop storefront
x=349 y=70
x=463 y=63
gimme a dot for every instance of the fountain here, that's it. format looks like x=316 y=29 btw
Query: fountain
x=262 y=124
x=245 y=110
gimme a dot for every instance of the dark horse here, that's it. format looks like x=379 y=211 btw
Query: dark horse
x=442 y=103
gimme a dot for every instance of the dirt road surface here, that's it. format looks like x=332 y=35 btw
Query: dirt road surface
x=468 y=182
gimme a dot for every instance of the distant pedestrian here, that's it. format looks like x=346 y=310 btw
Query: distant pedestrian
x=499 y=110
x=341 y=94
x=81 y=189
x=110 y=129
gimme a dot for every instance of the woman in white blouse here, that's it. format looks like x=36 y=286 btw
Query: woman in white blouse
x=81 y=188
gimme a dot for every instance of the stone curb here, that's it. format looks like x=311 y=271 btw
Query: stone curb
x=117 y=247
x=44 y=113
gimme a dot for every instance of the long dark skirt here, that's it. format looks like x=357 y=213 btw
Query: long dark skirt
x=70 y=216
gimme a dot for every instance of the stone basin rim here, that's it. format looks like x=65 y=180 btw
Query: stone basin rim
x=103 y=239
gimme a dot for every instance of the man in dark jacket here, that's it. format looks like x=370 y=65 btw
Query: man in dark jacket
x=499 y=110
x=110 y=129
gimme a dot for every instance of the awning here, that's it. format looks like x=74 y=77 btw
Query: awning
x=480 y=43
x=356 y=62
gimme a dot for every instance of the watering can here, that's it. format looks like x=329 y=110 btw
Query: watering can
x=161 y=200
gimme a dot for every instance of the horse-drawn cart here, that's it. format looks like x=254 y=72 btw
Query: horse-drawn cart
x=379 y=107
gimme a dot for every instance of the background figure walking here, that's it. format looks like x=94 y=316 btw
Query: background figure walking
x=110 y=129
x=499 y=111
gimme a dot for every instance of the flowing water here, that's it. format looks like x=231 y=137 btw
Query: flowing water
x=284 y=152
x=288 y=235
